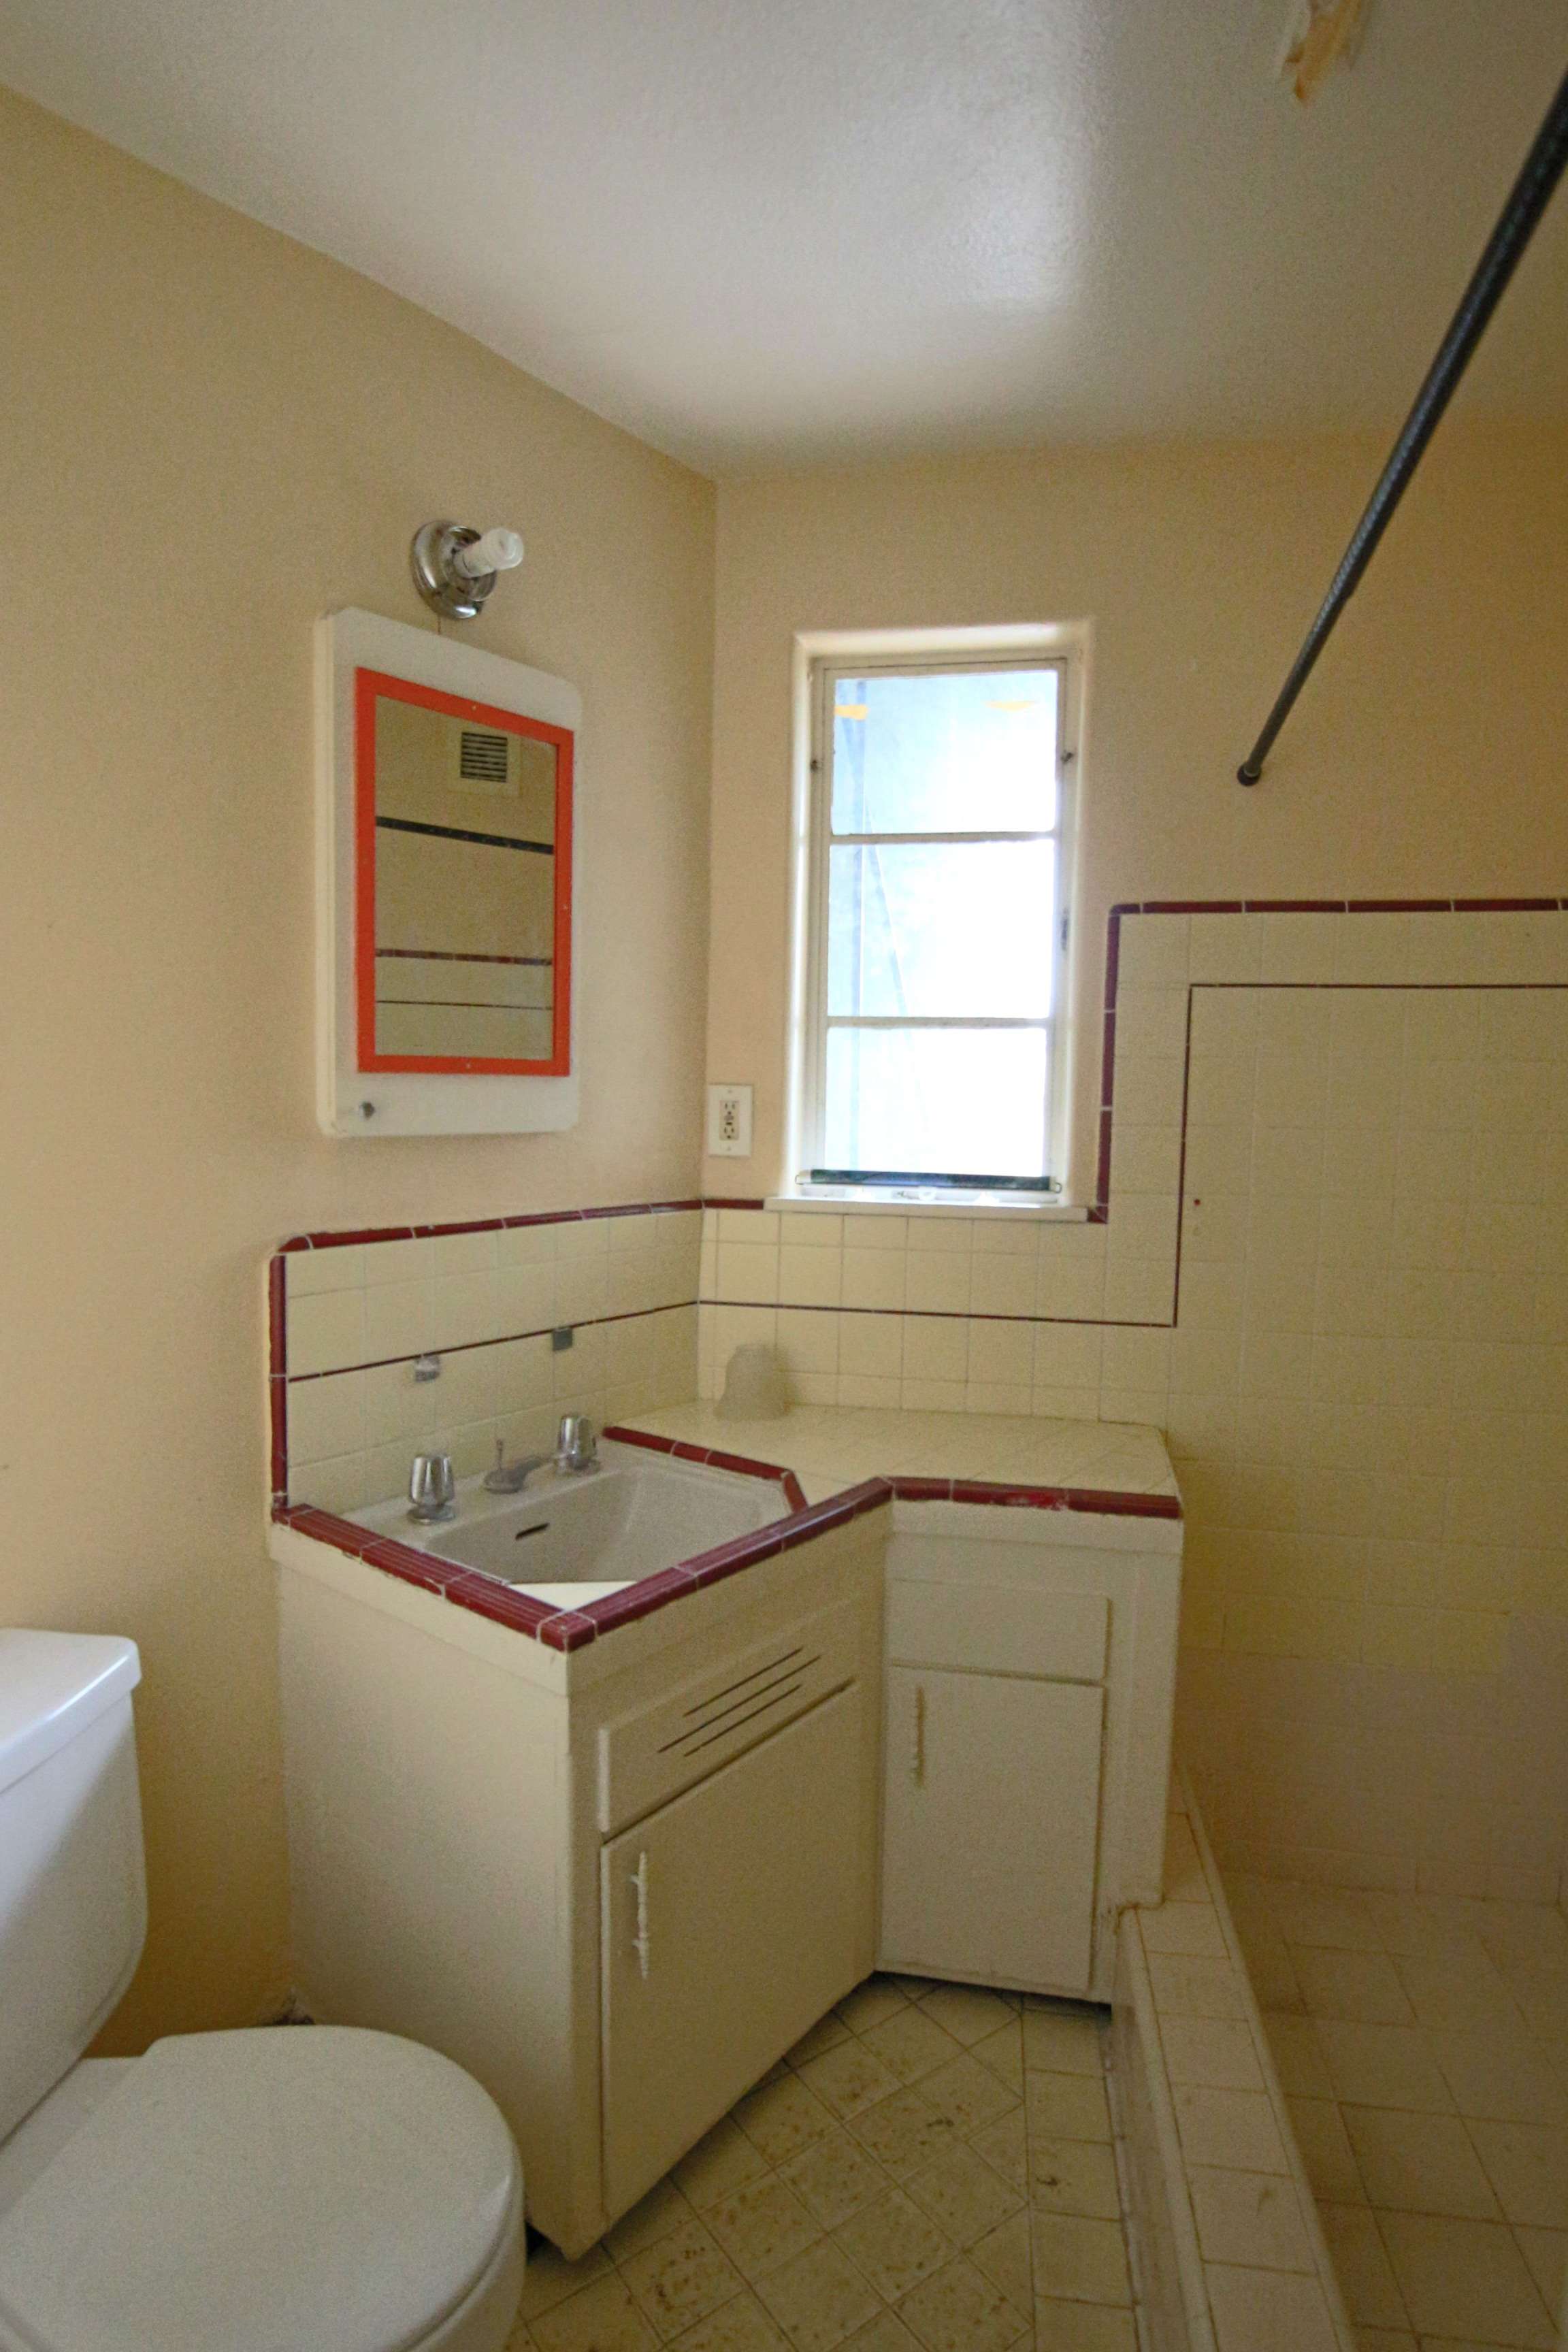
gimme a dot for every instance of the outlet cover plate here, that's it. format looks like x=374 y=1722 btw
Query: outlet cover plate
x=730 y=1122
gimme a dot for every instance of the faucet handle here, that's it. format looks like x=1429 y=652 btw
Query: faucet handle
x=432 y=1489
x=575 y=1442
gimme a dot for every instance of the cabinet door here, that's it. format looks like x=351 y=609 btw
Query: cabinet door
x=990 y=1825
x=731 y=1919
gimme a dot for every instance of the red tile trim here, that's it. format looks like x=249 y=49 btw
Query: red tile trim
x=1339 y=907
x=720 y=1200
x=356 y=1237
x=729 y=1559
x=1191 y=907
x=998 y=1494
x=1505 y=906
x=569 y=1629
x=277 y=1386
x=739 y=1465
x=1100 y=1210
x=351 y=1237
x=1102 y=1168
x=639 y=1599
x=742 y=1466
x=1107 y=1501
x=650 y=1438
x=1294 y=906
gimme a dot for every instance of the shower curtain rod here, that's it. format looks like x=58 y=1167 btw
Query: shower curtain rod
x=1530 y=194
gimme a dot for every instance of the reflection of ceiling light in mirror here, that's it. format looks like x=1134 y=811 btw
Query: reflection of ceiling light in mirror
x=454 y=566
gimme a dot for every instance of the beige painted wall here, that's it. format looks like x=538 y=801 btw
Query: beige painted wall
x=1427 y=757
x=211 y=436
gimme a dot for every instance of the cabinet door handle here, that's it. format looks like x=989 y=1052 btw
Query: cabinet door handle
x=640 y=1941
x=919 y=1736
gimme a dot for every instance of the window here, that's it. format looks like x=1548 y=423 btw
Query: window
x=936 y=927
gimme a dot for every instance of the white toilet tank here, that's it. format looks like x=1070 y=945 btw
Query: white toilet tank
x=73 y=1895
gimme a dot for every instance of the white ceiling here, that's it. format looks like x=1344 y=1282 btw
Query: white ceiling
x=765 y=230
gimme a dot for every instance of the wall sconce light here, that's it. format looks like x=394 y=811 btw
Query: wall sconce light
x=455 y=567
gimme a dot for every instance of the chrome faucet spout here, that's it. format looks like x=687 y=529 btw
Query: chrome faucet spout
x=511 y=1477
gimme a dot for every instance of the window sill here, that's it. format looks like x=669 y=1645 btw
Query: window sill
x=857 y=1203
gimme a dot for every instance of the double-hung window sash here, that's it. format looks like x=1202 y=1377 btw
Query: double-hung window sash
x=939 y=933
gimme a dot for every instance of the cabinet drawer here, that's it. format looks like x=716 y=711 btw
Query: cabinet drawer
x=653 y=1754
x=1000 y=1629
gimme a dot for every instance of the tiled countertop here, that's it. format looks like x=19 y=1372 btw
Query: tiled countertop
x=830 y=1447
x=833 y=1464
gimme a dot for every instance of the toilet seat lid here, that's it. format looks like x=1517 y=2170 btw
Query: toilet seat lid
x=263 y=2190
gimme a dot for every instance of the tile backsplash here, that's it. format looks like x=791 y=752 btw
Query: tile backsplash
x=937 y=1314
x=352 y=1315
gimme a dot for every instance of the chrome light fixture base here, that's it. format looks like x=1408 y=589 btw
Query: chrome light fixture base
x=443 y=586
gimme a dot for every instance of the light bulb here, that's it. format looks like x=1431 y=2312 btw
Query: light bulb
x=496 y=549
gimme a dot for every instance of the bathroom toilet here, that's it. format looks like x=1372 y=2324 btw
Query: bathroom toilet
x=267 y=2191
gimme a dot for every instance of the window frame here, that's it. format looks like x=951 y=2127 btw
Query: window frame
x=829 y=662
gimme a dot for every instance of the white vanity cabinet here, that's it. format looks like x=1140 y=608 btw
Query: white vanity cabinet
x=1030 y=1662
x=616 y=1884
x=732 y=1919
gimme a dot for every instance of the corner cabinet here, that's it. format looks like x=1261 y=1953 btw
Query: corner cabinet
x=1030 y=1666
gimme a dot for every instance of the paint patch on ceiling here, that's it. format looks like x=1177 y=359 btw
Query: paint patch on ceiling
x=1321 y=35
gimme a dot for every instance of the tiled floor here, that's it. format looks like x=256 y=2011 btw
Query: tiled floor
x=1423 y=2044
x=930 y=2170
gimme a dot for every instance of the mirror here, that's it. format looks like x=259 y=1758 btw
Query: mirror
x=463 y=883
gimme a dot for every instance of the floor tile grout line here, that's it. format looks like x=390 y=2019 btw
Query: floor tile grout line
x=1024 y=2210
x=1513 y=2021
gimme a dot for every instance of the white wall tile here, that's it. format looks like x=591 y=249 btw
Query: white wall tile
x=871 y=1344
x=326 y=1331
x=464 y=1308
x=1001 y=1284
x=873 y=1277
x=582 y=1237
x=938 y=1282
x=808 y=1343
x=525 y=1246
x=326 y=1417
x=582 y=1288
x=465 y=1253
x=809 y=1278
x=1225 y=947
x=935 y=1349
x=748 y=1271
x=811 y=1229
x=1154 y=951
x=525 y=1296
x=398 y=1410
x=308 y=1271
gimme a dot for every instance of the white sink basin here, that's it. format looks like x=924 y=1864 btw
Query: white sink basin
x=567 y=1540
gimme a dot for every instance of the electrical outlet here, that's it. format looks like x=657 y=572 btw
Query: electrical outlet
x=730 y=1122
